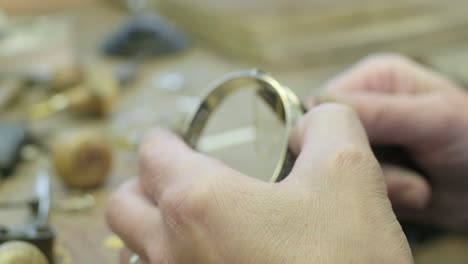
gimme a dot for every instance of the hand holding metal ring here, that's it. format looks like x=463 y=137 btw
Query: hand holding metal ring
x=283 y=102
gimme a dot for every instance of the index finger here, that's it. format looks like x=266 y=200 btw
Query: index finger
x=323 y=135
x=387 y=73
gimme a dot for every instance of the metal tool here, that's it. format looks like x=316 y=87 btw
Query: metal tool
x=95 y=96
x=13 y=137
x=36 y=230
x=10 y=90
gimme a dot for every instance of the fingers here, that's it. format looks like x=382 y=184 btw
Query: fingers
x=386 y=74
x=391 y=96
x=135 y=219
x=328 y=136
x=406 y=189
x=169 y=166
x=397 y=119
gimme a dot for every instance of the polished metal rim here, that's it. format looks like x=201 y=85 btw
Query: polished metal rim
x=283 y=102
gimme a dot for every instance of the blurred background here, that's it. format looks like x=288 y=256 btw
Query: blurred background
x=81 y=81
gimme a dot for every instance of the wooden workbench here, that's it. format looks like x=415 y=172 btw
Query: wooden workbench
x=83 y=234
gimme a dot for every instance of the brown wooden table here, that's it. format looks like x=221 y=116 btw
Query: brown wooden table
x=83 y=234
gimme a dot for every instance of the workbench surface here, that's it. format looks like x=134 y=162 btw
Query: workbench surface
x=83 y=235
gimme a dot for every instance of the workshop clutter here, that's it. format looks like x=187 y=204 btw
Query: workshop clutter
x=60 y=122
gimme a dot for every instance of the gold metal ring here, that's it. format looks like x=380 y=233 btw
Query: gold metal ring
x=281 y=100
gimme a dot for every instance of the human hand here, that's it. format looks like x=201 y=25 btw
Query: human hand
x=332 y=208
x=401 y=103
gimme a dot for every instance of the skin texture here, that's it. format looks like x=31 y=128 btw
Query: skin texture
x=186 y=207
x=402 y=103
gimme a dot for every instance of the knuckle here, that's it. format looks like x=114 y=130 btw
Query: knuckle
x=147 y=151
x=201 y=198
x=333 y=108
x=353 y=159
x=172 y=203
x=352 y=155
x=389 y=59
x=324 y=114
x=356 y=166
x=112 y=210
x=154 y=147
x=385 y=65
x=185 y=205
x=151 y=160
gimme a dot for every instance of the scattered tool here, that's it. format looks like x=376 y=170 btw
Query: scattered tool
x=10 y=89
x=13 y=137
x=95 y=96
x=82 y=158
x=18 y=252
x=62 y=78
x=146 y=33
x=37 y=230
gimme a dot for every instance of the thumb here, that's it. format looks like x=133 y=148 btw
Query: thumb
x=406 y=189
x=168 y=166
x=330 y=137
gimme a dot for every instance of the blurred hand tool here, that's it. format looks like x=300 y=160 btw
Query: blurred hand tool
x=13 y=137
x=148 y=34
x=95 y=96
x=82 y=158
x=10 y=90
x=37 y=230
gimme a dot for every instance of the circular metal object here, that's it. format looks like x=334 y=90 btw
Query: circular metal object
x=283 y=102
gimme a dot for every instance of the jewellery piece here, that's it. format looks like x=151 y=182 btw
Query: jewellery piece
x=283 y=102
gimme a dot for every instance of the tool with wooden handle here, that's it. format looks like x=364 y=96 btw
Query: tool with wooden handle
x=82 y=158
x=95 y=96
